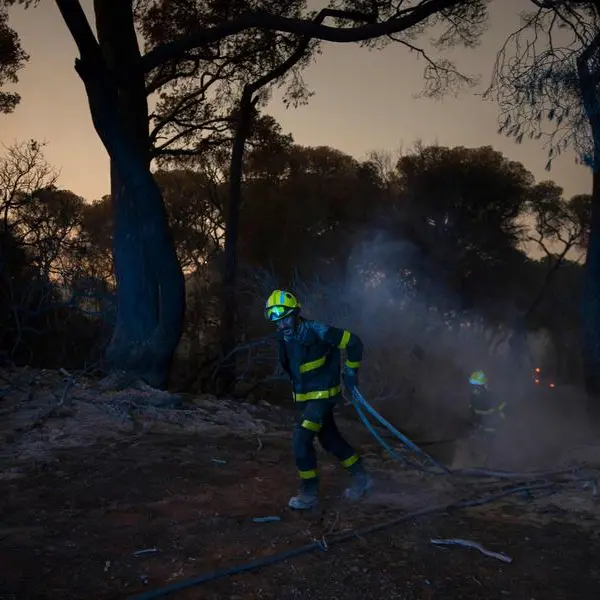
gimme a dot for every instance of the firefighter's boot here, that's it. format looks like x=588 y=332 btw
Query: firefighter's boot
x=307 y=497
x=361 y=485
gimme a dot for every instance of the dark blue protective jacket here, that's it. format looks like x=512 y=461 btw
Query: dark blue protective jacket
x=312 y=359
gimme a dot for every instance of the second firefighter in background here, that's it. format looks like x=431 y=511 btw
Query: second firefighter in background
x=310 y=354
x=487 y=413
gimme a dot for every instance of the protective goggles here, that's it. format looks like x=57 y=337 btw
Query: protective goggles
x=275 y=313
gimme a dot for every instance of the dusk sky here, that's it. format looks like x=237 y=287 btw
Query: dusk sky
x=363 y=101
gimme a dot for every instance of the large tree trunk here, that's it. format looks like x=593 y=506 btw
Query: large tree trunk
x=150 y=283
x=151 y=288
x=245 y=115
x=591 y=298
x=590 y=304
x=230 y=265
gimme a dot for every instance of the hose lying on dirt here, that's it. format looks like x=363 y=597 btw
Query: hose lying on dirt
x=341 y=537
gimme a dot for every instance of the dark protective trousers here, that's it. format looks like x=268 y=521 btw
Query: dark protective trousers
x=316 y=419
x=487 y=418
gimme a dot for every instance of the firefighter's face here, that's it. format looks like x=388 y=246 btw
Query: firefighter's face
x=287 y=324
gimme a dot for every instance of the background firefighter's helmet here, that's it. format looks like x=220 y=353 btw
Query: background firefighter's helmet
x=478 y=378
x=281 y=304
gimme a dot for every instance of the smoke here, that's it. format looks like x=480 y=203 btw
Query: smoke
x=420 y=350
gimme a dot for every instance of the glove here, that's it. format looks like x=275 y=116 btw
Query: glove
x=350 y=377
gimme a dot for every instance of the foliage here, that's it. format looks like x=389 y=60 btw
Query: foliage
x=213 y=63
x=195 y=217
x=441 y=237
x=546 y=81
x=462 y=207
x=304 y=205
x=374 y=23
x=355 y=240
x=536 y=81
x=198 y=86
x=198 y=92
x=40 y=234
x=558 y=221
x=12 y=55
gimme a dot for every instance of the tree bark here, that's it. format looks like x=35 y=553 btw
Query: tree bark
x=230 y=266
x=150 y=283
x=150 y=286
x=590 y=302
x=244 y=121
x=591 y=298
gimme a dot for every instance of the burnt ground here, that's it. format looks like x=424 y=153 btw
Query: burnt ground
x=89 y=482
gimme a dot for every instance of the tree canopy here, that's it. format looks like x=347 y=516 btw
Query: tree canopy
x=546 y=81
x=211 y=66
x=453 y=215
x=537 y=82
x=12 y=55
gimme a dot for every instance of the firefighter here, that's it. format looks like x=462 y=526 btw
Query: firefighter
x=486 y=414
x=309 y=352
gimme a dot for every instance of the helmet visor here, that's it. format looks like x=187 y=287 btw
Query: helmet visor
x=275 y=313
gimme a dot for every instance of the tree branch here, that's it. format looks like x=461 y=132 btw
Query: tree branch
x=168 y=72
x=550 y=4
x=77 y=23
x=203 y=145
x=297 y=55
x=301 y=27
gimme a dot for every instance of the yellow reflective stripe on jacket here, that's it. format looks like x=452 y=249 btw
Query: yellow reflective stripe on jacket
x=313 y=364
x=345 y=339
x=311 y=474
x=350 y=461
x=353 y=364
x=318 y=395
x=311 y=425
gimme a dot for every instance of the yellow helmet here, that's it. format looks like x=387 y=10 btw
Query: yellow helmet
x=280 y=304
x=478 y=378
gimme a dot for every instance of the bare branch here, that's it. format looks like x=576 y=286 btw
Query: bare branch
x=439 y=75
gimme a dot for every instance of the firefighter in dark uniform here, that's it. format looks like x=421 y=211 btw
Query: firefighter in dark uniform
x=487 y=414
x=309 y=353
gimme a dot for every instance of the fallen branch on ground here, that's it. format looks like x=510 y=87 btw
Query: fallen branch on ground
x=469 y=544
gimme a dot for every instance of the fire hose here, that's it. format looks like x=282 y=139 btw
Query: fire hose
x=359 y=402
x=361 y=405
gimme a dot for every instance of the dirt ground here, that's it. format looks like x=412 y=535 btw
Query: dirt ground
x=104 y=500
